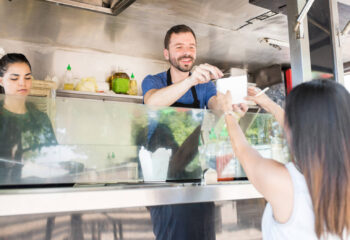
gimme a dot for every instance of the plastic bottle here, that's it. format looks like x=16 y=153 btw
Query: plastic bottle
x=211 y=150
x=225 y=164
x=133 y=86
x=202 y=154
x=68 y=79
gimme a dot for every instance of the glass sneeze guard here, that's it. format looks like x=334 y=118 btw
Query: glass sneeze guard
x=69 y=141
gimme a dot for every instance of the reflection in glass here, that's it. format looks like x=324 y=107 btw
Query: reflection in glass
x=115 y=142
x=22 y=136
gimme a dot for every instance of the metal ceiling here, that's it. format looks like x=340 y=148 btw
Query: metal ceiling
x=229 y=32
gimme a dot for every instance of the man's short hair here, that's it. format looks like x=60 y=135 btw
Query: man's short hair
x=177 y=29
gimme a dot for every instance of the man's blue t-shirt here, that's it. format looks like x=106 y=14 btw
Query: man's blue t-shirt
x=204 y=91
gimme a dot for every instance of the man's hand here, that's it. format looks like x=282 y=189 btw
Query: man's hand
x=204 y=73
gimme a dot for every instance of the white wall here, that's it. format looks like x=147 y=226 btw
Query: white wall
x=50 y=59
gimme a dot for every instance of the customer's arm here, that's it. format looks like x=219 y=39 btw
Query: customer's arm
x=269 y=177
x=266 y=103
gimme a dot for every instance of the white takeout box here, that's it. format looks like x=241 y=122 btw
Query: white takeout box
x=237 y=85
x=154 y=165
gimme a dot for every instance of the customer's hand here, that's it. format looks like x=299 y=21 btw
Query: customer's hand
x=262 y=100
x=241 y=109
x=225 y=103
x=204 y=73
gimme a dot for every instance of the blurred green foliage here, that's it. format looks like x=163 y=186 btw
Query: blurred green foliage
x=181 y=124
x=260 y=130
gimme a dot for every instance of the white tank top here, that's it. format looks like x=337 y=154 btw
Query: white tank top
x=301 y=224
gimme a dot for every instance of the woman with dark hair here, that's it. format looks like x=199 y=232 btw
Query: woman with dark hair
x=23 y=128
x=11 y=65
x=308 y=198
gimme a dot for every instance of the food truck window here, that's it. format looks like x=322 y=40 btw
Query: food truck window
x=321 y=50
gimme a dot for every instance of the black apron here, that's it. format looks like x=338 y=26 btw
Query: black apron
x=195 y=103
x=194 y=221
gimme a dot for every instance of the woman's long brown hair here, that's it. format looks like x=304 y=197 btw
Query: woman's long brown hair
x=318 y=115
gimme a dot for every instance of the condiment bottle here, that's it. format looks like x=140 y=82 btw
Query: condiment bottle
x=133 y=86
x=68 y=79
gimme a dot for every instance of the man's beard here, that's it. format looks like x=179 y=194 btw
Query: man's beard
x=175 y=63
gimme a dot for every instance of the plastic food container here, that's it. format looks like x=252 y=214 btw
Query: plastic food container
x=120 y=85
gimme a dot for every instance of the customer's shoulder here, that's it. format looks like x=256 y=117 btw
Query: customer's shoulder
x=298 y=178
x=292 y=169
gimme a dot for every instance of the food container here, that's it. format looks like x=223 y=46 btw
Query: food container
x=237 y=86
x=225 y=162
x=120 y=85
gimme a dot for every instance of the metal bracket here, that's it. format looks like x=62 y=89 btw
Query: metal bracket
x=120 y=5
x=338 y=34
x=299 y=28
x=318 y=25
x=346 y=29
x=300 y=31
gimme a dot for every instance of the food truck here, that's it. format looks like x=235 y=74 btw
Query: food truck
x=117 y=161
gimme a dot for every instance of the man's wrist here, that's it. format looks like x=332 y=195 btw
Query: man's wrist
x=189 y=81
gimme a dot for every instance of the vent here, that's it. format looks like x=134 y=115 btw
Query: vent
x=112 y=7
x=278 y=6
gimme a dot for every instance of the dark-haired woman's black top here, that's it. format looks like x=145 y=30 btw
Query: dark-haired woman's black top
x=21 y=133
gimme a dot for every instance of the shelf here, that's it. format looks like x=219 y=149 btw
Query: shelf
x=110 y=96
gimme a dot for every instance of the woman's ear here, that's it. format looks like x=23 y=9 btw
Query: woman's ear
x=1 y=82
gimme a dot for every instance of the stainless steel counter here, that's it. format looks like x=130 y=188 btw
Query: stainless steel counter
x=78 y=199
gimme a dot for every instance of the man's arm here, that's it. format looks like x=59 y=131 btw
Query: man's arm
x=168 y=95
x=213 y=103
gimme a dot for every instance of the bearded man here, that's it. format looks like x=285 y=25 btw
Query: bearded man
x=178 y=87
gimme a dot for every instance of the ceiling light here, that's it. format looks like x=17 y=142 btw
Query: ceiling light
x=275 y=43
